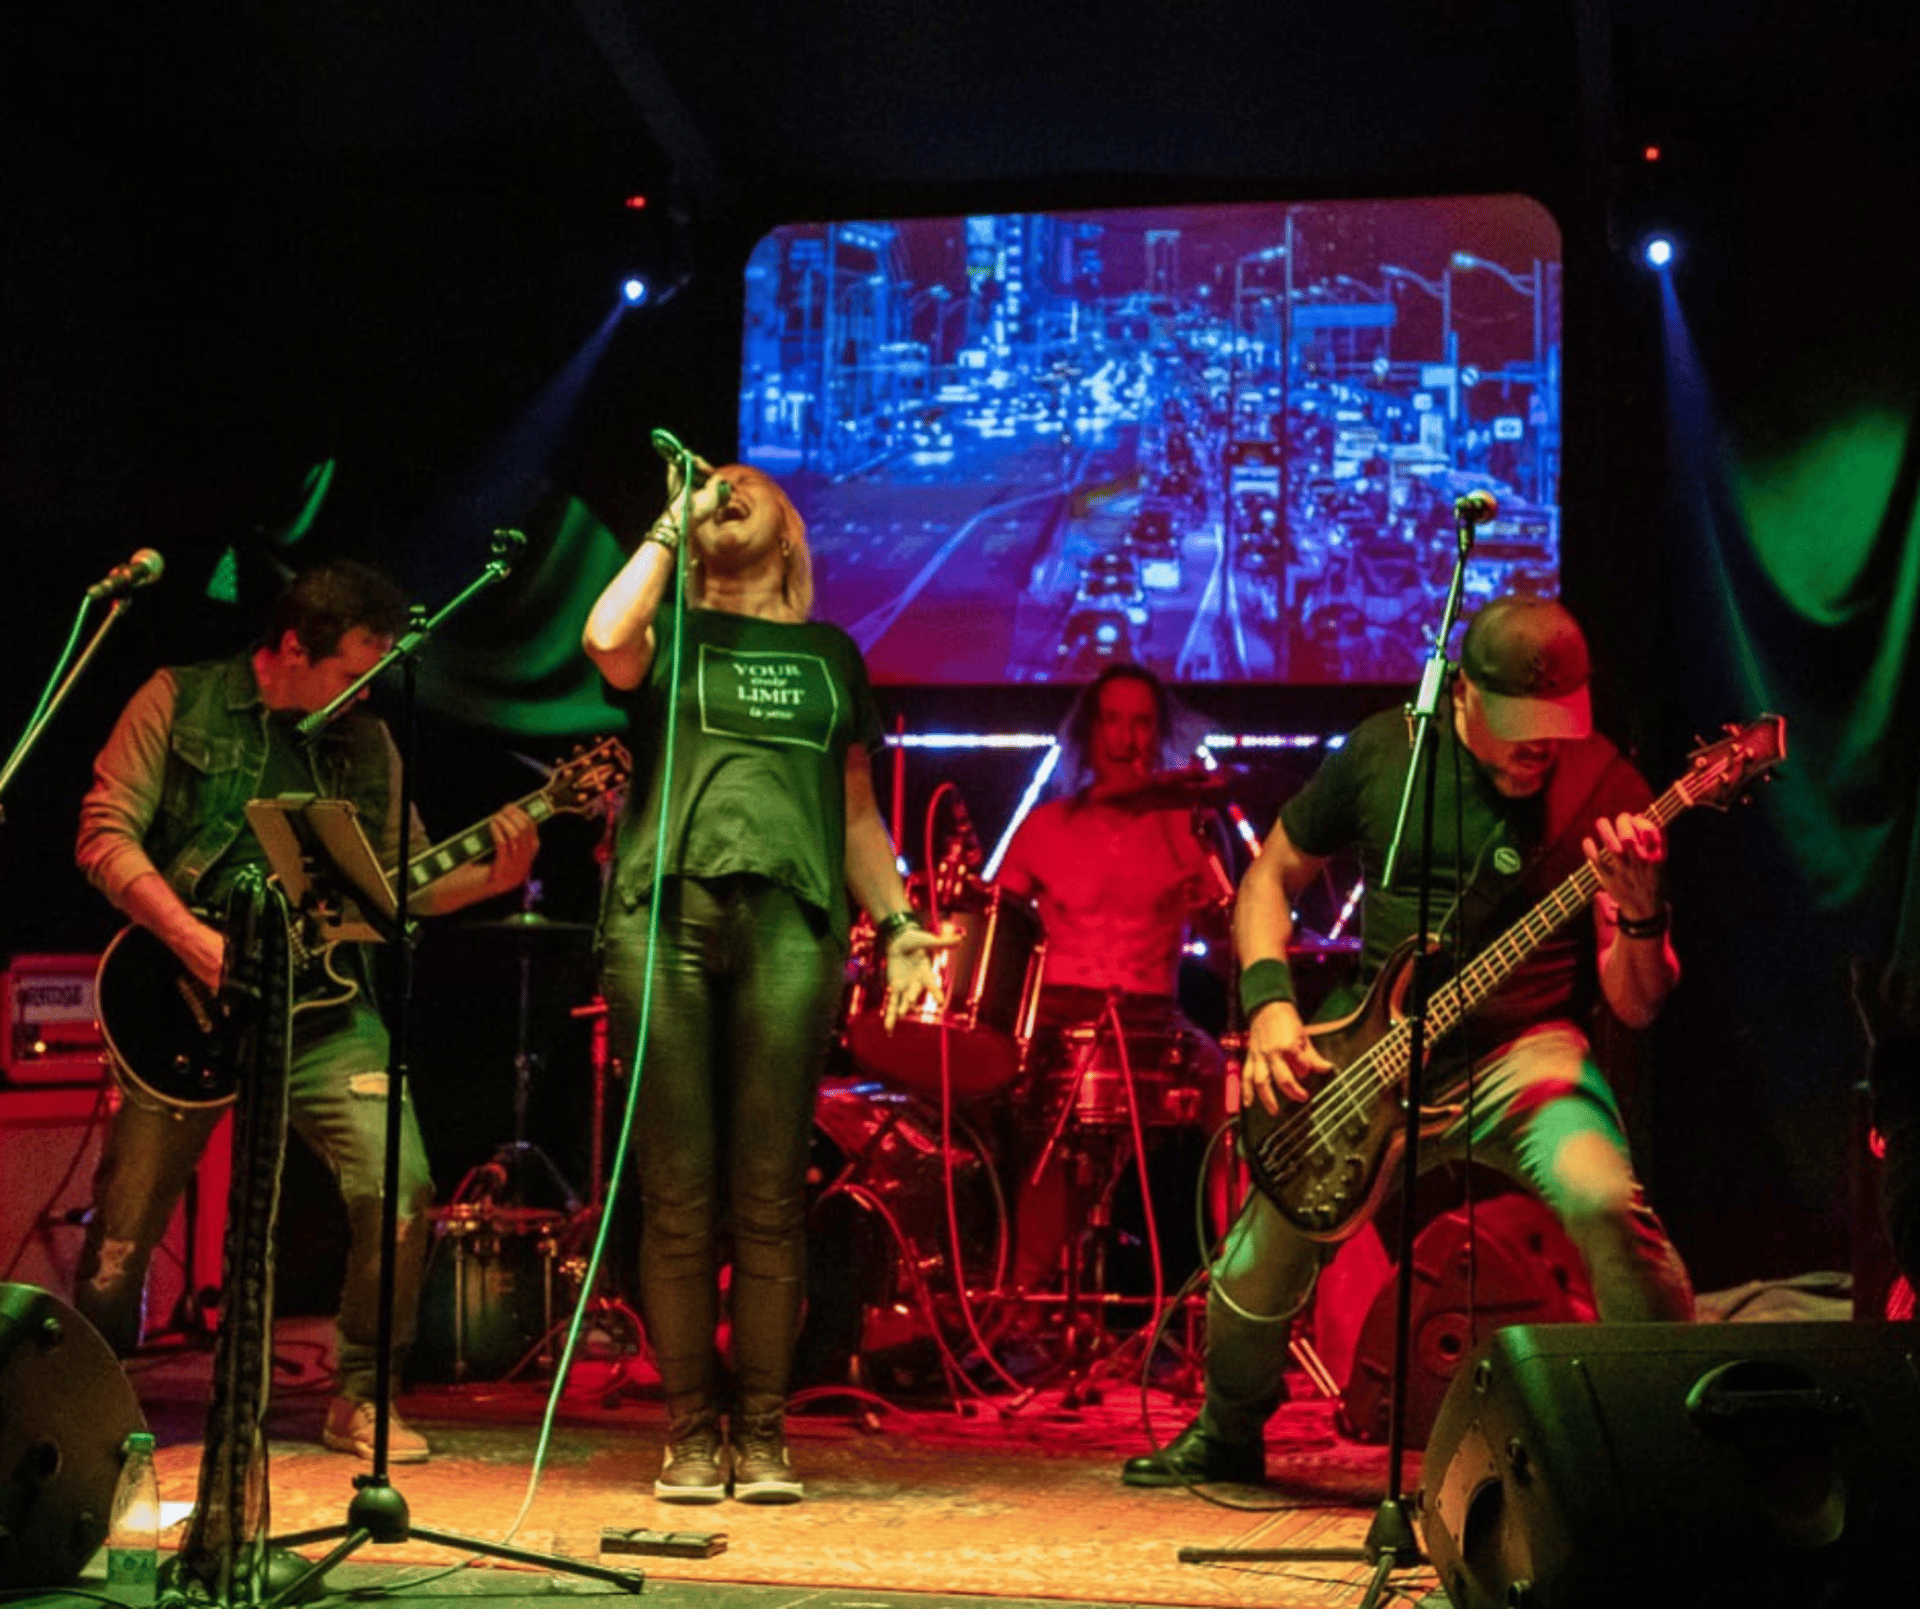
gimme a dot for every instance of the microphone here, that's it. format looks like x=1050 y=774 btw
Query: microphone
x=1475 y=507
x=142 y=570
x=506 y=546
x=668 y=446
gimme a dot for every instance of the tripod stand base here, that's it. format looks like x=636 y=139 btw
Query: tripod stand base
x=378 y=1514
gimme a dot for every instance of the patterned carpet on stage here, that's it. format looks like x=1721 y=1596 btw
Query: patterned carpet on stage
x=1013 y=1504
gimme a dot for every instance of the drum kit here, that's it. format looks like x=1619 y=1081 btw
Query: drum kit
x=931 y=1144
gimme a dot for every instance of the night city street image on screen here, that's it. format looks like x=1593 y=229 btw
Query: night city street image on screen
x=1225 y=442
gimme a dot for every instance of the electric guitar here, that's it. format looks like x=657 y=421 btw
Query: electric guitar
x=159 y=1020
x=1325 y=1163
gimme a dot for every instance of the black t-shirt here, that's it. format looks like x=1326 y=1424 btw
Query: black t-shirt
x=1488 y=863
x=765 y=714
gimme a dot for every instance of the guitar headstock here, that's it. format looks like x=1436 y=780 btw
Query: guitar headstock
x=579 y=782
x=1718 y=773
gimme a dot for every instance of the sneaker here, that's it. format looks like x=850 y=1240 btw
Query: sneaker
x=349 y=1429
x=695 y=1467
x=762 y=1471
x=1193 y=1458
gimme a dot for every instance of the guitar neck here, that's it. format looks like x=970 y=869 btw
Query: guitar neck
x=430 y=865
x=1498 y=961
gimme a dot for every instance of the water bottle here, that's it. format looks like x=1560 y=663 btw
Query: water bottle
x=133 y=1529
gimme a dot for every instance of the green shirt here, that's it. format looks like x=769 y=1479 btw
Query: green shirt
x=765 y=713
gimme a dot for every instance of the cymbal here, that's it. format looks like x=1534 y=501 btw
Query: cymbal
x=529 y=924
x=1174 y=790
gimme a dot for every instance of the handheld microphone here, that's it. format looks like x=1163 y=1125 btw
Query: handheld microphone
x=1476 y=507
x=142 y=570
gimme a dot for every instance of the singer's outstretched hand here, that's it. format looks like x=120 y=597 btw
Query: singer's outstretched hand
x=910 y=970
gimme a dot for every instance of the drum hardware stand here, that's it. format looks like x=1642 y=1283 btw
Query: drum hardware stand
x=1390 y=1541
x=378 y=1512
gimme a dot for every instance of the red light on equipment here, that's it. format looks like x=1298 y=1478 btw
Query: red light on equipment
x=635 y=203
x=1650 y=154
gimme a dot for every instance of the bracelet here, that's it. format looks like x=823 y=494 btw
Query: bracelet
x=1262 y=983
x=1647 y=927
x=664 y=531
x=889 y=928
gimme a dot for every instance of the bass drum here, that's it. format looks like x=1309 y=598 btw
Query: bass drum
x=882 y=1299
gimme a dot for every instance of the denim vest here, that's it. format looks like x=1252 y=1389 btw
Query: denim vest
x=217 y=755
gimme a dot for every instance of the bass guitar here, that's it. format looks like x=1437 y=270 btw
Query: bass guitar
x=1325 y=1163
x=158 y=1020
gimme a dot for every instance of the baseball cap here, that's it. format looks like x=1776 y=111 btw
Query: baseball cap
x=1528 y=659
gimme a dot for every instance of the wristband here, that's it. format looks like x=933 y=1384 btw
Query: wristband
x=889 y=928
x=1647 y=927
x=1262 y=983
x=664 y=531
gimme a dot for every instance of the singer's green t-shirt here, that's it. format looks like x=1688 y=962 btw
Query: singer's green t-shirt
x=764 y=715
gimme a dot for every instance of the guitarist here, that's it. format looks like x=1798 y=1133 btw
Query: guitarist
x=163 y=825
x=1525 y=790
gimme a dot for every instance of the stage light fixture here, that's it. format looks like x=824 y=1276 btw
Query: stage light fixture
x=635 y=291
x=1658 y=251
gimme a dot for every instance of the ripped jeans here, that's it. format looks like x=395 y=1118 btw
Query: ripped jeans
x=337 y=1103
x=1542 y=1115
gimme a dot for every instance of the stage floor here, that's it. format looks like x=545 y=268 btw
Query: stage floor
x=1003 y=1503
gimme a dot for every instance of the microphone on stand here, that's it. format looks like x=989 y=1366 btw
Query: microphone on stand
x=1476 y=507
x=669 y=447
x=142 y=570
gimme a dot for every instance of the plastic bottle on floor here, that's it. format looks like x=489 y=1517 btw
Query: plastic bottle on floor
x=133 y=1528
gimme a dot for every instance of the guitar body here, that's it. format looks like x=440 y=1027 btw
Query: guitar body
x=1326 y=1164
x=158 y=1020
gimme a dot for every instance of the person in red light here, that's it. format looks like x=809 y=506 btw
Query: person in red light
x=1525 y=791
x=1119 y=878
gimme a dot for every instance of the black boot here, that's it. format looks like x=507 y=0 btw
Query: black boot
x=1193 y=1457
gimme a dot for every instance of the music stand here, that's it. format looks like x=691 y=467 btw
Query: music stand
x=319 y=851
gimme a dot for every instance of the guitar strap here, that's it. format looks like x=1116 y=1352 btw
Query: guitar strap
x=225 y=1547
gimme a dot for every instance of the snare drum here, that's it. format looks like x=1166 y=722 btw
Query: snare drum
x=991 y=981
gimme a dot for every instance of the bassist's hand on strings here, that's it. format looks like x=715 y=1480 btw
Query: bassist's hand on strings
x=1626 y=854
x=1280 y=1056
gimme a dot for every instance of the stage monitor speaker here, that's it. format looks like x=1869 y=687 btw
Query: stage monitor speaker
x=1773 y=1466
x=65 y=1410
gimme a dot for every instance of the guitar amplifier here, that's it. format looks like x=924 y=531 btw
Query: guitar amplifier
x=48 y=1031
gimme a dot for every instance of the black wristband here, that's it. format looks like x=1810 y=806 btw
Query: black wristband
x=890 y=927
x=1647 y=927
x=1262 y=983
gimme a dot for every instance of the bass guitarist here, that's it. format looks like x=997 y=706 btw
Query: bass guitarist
x=164 y=835
x=1525 y=791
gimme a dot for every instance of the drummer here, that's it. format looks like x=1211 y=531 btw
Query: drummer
x=1119 y=876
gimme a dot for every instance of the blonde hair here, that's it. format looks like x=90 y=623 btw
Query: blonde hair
x=797 y=584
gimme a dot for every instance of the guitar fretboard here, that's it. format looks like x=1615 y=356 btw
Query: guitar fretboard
x=1386 y=1064
x=434 y=863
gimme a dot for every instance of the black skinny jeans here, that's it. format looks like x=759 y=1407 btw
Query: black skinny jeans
x=747 y=983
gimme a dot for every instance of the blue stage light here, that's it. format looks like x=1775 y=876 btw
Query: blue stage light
x=636 y=291
x=1657 y=251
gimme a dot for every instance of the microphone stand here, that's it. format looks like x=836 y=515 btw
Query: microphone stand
x=1391 y=1543
x=44 y=717
x=378 y=1512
